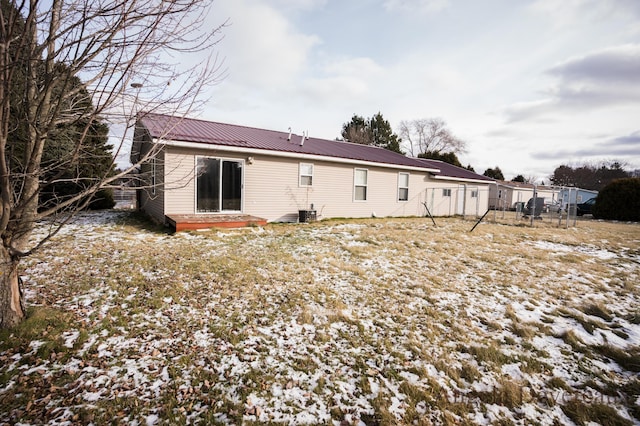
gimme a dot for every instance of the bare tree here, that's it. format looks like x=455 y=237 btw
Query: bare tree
x=429 y=135
x=46 y=48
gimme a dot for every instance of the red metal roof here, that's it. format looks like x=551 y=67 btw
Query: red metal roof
x=212 y=133
x=451 y=171
x=220 y=134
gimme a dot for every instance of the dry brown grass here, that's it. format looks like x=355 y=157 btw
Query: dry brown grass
x=387 y=321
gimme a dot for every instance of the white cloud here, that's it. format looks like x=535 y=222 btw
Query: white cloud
x=599 y=79
x=362 y=67
x=619 y=65
x=584 y=12
x=311 y=64
x=300 y=4
x=413 y=6
x=335 y=90
x=623 y=148
x=261 y=47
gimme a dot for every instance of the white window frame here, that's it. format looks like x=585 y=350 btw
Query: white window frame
x=195 y=195
x=154 y=170
x=446 y=192
x=359 y=185
x=401 y=187
x=301 y=174
x=474 y=193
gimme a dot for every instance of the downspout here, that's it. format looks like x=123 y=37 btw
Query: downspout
x=464 y=201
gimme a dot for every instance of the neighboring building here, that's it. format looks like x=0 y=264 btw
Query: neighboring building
x=206 y=169
x=456 y=191
x=574 y=195
x=507 y=195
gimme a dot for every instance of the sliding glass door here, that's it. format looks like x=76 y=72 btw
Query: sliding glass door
x=218 y=185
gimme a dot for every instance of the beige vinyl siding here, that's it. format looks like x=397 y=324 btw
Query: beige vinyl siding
x=440 y=205
x=272 y=191
x=460 y=202
x=483 y=199
x=271 y=187
x=180 y=182
x=548 y=193
x=180 y=179
x=520 y=196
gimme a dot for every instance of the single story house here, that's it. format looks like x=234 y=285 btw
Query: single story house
x=456 y=191
x=197 y=171
x=572 y=195
x=507 y=195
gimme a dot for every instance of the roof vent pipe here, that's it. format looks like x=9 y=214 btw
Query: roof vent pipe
x=289 y=137
x=303 y=137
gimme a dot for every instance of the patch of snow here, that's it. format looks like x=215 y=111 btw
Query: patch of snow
x=70 y=337
x=151 y=419
x=91 y=396
x=563 y=248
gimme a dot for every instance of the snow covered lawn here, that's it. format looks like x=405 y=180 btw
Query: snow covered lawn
x=380 y=321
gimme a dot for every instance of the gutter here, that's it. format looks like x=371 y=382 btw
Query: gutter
x=458 y=179
x=255 y=151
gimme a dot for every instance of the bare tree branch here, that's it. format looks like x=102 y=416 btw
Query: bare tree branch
x=69 y=64
x=429 y=135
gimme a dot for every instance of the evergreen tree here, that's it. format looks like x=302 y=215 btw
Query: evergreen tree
x=519 y=178
x=76 y=154
x=447 y=157
x=374 y=131
x=494 y=173
x=383 y=135
x=67 y=167
x=619 y=200
x=51 y=128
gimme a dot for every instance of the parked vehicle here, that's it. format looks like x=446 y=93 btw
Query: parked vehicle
x=552 y=206
x=586 y=207
x=530 y=210
x=543 y=205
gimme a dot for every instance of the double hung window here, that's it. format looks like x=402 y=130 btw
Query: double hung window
x=403 y=186
x=360 y=184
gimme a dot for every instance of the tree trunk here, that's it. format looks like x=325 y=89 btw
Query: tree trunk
x=12 y=310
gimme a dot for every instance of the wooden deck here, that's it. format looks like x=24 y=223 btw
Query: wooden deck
x=186 y=222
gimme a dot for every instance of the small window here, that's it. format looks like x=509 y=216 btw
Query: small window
x=446 y=192
x=403 y=186
x=474 y=193
x=360 y=185
x=306 y=174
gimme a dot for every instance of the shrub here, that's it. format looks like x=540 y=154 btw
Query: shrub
x=103 y=200
x=620 y=200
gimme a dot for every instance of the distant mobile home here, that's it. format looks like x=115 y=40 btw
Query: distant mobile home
x=202 y=169
x=574 y=195
x=507 y=195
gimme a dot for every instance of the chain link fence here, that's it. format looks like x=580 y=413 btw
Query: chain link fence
x=545 y=207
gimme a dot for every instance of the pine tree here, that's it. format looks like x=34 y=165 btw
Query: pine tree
x=494 y=173
x=374 y=131
x=447 y=157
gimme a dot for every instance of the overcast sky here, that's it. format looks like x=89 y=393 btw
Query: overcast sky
x=529 y=85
